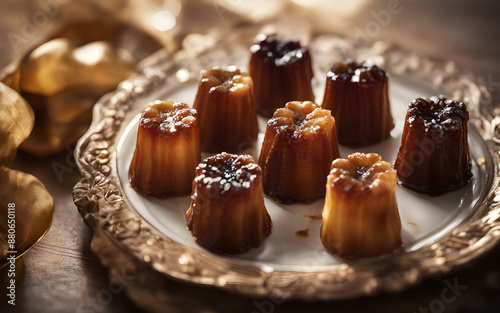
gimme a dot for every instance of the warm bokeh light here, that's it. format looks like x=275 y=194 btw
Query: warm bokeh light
x=163 y=21
x=337 y=8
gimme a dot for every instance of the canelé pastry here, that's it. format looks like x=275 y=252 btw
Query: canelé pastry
x=434 y=154
x=357 y=94
x=167 y=150
x=227 y=213
x=281 y=71
x=226 y=109
x=298 y=149
x=360 y=216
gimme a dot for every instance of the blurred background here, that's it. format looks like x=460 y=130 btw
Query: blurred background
x=449 y=29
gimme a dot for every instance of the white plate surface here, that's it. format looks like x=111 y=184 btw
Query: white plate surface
x=424 y=219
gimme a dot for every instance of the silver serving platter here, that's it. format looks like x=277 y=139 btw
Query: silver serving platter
x=161 y=274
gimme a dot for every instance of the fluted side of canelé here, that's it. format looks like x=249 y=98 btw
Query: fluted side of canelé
x=358 y=96
x=434 y=154
x=299 y=146
x=281 y=71
x=167 y=150
x=360 y=215
x=227 y=213
x=226 y=109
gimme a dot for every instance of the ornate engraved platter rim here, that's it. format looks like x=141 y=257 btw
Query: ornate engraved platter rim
x=103 y=207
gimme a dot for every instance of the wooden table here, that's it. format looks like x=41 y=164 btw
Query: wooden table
x=60 y=274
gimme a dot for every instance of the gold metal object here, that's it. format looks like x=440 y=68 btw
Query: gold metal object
x=16 y=123
x=26 y=206
x=62 y=81
x=34 y=209
x=76 y=62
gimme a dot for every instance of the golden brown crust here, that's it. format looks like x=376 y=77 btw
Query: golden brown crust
x=281 y=71
x=357 y=94
x=226 y=108
x=227 y=213
x=360 y=216
x=167 y=150
x=434 y=154
x=298 y=148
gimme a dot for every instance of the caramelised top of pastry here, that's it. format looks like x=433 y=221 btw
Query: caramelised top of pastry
x=227 y=173
x=437 y=113
x=352 y=71
x=361 y=173
x=168 y=117
x=225 y=79
x=301 y=118
x=272 y=50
